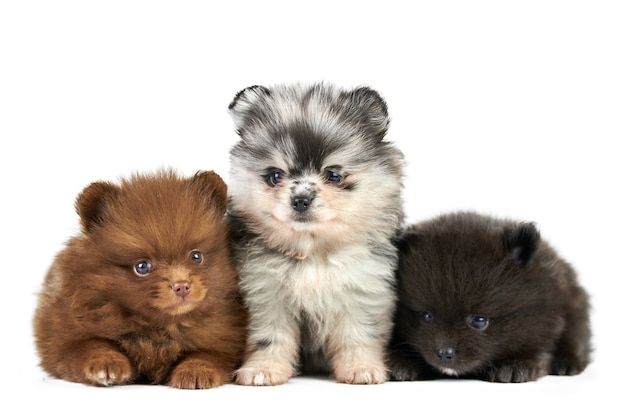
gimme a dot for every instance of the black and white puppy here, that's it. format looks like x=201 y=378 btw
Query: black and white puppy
x=486 y=298
x=315 y=203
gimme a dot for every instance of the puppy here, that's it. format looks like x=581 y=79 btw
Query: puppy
x=315 y=202
x=147 y=292
x=486 y=298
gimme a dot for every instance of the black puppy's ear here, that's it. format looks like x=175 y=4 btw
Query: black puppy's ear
x=212 y=187
x=242 y=106
x=522 y=242
x=93 y=203
x=407 y=240
x=370 y=111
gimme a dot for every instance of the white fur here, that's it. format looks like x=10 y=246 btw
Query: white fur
x=344 y=297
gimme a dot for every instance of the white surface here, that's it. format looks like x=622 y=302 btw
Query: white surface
x=514 y=110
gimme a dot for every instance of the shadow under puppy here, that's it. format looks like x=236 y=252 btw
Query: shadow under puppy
x=486 y=298
x=315 y=202
x=147 y=292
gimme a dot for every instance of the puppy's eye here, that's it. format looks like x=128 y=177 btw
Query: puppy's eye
x=274 y=177
x=333 y=177
x=426 y=316
x=196 y=256
x=143 y=267
x=478 y=322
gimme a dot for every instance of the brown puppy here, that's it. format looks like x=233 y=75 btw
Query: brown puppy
x=147 y=293
x=486 y=298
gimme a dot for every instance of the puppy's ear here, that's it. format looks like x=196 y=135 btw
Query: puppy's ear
x=213 y=187
x=521 y=242
x=242 y=106
x=369 y=110
x=407 y=240
x=93 y=203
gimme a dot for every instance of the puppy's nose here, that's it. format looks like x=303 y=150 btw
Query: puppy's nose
x=446 y=354
x=181 y=288
x=300 y=204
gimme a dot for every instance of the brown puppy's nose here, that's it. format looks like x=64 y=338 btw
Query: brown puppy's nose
x=181 y=288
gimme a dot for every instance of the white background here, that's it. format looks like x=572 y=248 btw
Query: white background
x=511 y=108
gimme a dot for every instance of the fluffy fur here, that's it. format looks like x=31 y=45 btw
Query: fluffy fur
x=147 y=292
x=486 y=298
x=315 y=202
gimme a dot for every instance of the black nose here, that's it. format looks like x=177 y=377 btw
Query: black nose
x=446 y=354
x=300 y=204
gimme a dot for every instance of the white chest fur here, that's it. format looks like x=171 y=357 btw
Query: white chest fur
x=320 y=284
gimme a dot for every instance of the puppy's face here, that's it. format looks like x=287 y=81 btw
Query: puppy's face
x=470 y=294
x=298 y=194
x=158 y=243
x=311 y=161
x=455 y=341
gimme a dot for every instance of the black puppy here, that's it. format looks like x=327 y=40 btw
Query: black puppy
x=486 y=298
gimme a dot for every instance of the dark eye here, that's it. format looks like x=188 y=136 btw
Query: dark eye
x=274 y=177
x=426 y=316
x=478 y=322
x=143 y=267
x=334 y=177
x=196 y=256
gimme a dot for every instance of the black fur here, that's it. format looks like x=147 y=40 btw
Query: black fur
x=463 y=265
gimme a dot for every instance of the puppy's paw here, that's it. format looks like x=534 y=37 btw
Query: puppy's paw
x=197 y=374
x=567 y=367
x=108 y=368
x=264 y=375
x=517 y=372
x=404 y=369
x=361 y=375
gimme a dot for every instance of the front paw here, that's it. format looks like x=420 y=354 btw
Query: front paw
x=566 y=366
x=269 y=374
x=403 y=369
x=517 y=372
x=198 y=374
x=108 y=368
x=358 y=375
x=370 y=370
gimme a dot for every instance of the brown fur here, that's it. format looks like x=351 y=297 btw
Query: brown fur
x=100 y=323
x=462 y=271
